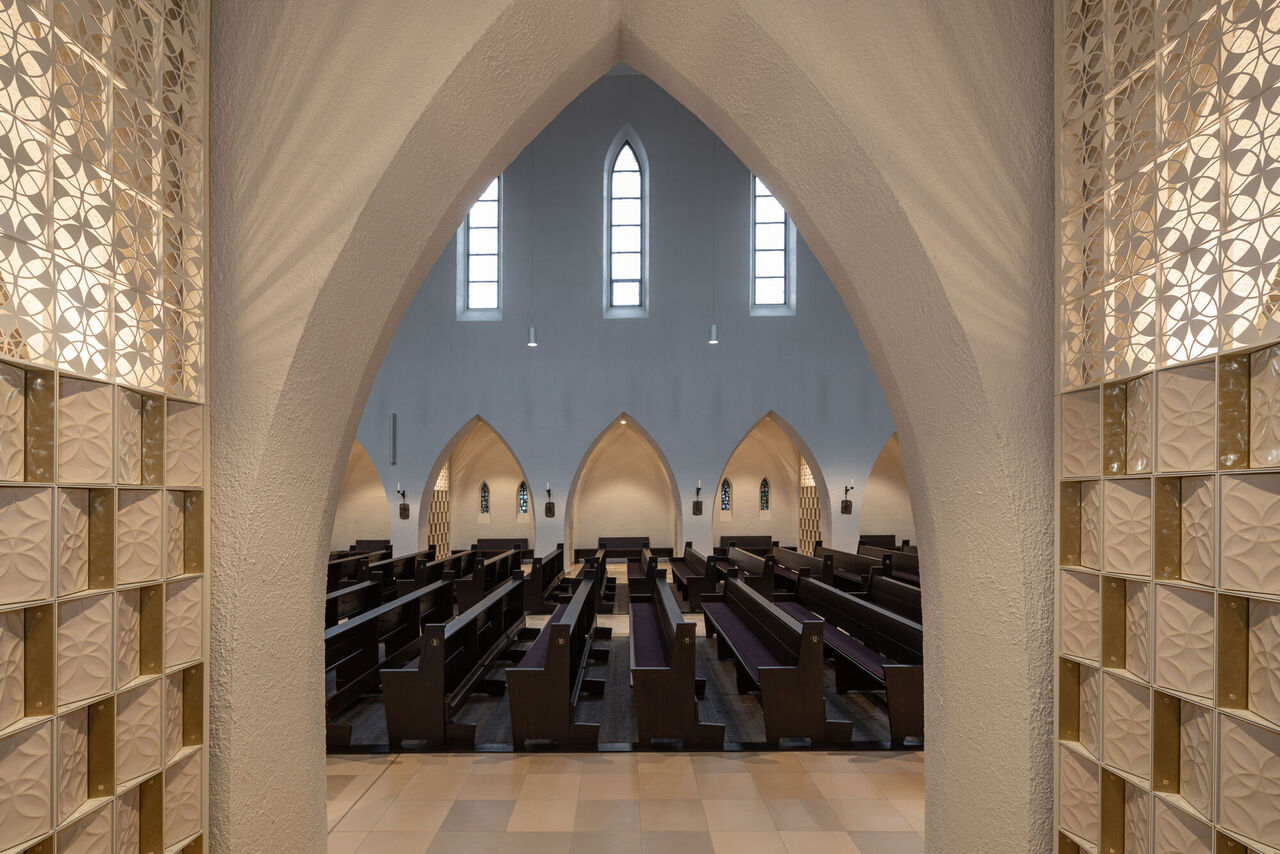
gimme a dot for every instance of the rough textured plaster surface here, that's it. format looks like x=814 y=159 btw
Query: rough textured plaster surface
x=344 y=149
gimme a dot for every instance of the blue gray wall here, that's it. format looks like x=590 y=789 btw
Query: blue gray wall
x=696 y=400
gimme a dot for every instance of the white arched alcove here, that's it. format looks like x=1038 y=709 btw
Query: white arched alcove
x=363 y=512
x=344 y=154
x=478 y=454
x=886 y=502
x=623 y=487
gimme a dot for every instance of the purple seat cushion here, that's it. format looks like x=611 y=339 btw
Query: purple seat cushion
x=753 y=651
x=845 y=643
x=646 y=636
x=537 y=653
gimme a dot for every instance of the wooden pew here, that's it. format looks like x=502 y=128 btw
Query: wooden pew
x=421 y=699
x=593 y=566
x=494 y=546
x=896 y=596
x=385 y=636
x=850 y=572
x=456 y=565
x=664 y=681
x=544 y=576
x=871 y=649
x=543 y=688
x=880 y=541
x=758 y=573
x=351 y=601
x=393 y=569
x=351 y=569
x=793 y=565
x=777 y=655
x=470 y=589
x=757 y=544
x=642 y=573
x=692 y=576
x=895 y=564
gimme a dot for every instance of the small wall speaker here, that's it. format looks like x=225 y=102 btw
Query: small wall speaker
x=549 y=510
x=697 y=508
x=846 y=507
x=404 y=509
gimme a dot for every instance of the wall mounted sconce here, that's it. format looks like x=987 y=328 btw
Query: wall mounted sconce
x=549 y=509
x=697 y=500
x=846 y=506
x=404 y=503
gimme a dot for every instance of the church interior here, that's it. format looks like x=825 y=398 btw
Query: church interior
x=590 y=426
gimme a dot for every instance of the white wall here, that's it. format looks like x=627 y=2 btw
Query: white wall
x=363 y=512
x=482 y=457
x=766 y=451
x=886 y=505
x=622 y=491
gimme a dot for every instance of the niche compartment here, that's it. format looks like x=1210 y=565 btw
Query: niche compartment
x=40 y=416
x=1249 y=657
x=1081 y=434
x=139 y=536
x=13 y=413
x=184 y=444
x=183 y=815
x=26 y=534
x=139 y=633
x=184 y=533
x=1127 y=427
x=1183 y=756
x=1078 y=796
x=183 y=621
x=128 y=437
x=26 y=784
x=86 y=444
x=1176 y=830
x=1127 y=537
x=91 y=834
x=26 y=665
x=139 y=819
x=139 y=722
x=84 y=647
x=1080 y=706
x=1126 y=726
x=1126 y=626
x=85 y=758
x=1080 y=605
x=1185 y=419
x=1251 y=533
x=184 y=711
x=1264 y=408
x=1249 y=780
x=85 y=540
x=1184 y=640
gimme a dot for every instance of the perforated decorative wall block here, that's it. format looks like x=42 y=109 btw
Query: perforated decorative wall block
x=86 y=447
x=1184 y=640
x=1081 y=434
x=1195 y=768
x=1126 y=528
x=26 y=784
x=1091 y=524
x=1249 y=774
x=1177 y=831
x=1264 y=659
x=12 y=668
x=1198 y=526
x=1126 y=730
x=1138 y=425
x=183 y=621
x=26 y=528
x=1078 y=795
x=1251 y=533
x=73 y=540
x=84 y=648
x=1137 y=629
x=138 y=536
x=12 y=422
x=1080 y=615
x=1185 y=419
x=138 y=721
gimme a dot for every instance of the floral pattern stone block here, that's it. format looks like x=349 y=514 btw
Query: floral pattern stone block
x=1127 y=527
x=1138 y=412
x=138 y=738
x=1251 y=533
x=84 y=648
x=128 y=436
x=1186 y=429
x=183 y=815
x=1078 y=795
x=1249 y=780
x=184 y=444
x=1264 y=409
x=1126 y=726
x=128 y=637
x=1081 y=434
x=174 y=534
x=1091 y=524
x=1184 y=640
x=73 y=762
x=1195 y=766
x=172 y=715
x=138 y=536
x=1264 y=659
x=129 y=821
x=73 y=541
x=1198 y=525
x=1081 y=616
x=26 y=790
x=89 y=835
x=12 y=668
x=13 y=408
x=1137 y=629
x=86 y=451
x=1091 y=710
x=1137 y=818
x=183 y=621
x=26 y=530
x=1177 y=831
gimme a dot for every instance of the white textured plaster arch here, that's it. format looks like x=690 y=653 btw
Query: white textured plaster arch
x=623 y=422
x=443 y=457
x=345 y=148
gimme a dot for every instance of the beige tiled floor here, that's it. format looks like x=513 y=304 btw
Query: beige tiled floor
x=757 y=803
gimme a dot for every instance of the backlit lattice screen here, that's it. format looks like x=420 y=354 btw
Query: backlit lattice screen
x=1169 y=434
x=102 y=429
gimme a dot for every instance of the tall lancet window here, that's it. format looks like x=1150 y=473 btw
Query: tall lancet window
x=726 y=495
x=522 y=498
x=772 y=254
x=480 y=257
x=484 y=498
x=764 y=494
x=625 y=232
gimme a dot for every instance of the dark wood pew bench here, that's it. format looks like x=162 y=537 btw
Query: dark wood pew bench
x=757 y=544
x=351 y=601
x=664 y=681
x=494 y=546
x=780 y=657
x=603 y=595
x=457 y=565
x=545 y=575
x=791 y=565
x=896 y=596
x=758 y=573
x=543 y=689
x=386 y=636
x=422 y=698
x=390 y=571
x=351 y=569
x=692 y=577
x=871 y=648
x=642 y=573
x=879 y=541
x=487 y=575
x=850 y=572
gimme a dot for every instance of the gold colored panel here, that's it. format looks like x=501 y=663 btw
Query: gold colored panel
x=1167 y=498
x=152 y=440
x=192 y=707
x=38 y=656
x=1112 y=823
x=1166 y=743
x=193 y=532
x=195 y=846
x=102 y=746
x=1227 y=845
x=1113 y=622
x=151 y=629
x=41 y=405
x=1068 y=700
x=44 y=846
x=1115 y=401
x=1066 y=846
x=1069 y=524
x=1233 y=652
x=1233 y=411
x=102 y=538
x=151 y=815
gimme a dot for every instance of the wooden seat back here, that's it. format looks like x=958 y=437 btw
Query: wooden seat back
x=351 y=601
x=897 y=596
x=487 y=575
x=879 y=541
x=889 y=634
x=757 y=544
x=805 y=565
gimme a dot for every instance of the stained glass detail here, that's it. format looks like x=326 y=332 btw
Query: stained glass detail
x=726 y=495
x=764 y=494
x=522 y=497
x=484 y=498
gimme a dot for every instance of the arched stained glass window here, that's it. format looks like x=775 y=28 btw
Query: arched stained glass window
x=726 y=495
x=625 y=231
x=764 y=494
x=484 y=498
x=522 y=497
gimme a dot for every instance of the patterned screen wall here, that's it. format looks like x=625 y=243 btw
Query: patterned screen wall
x=1169 y=432
x=102 y=429
x=810 y=511
x=438 y=513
